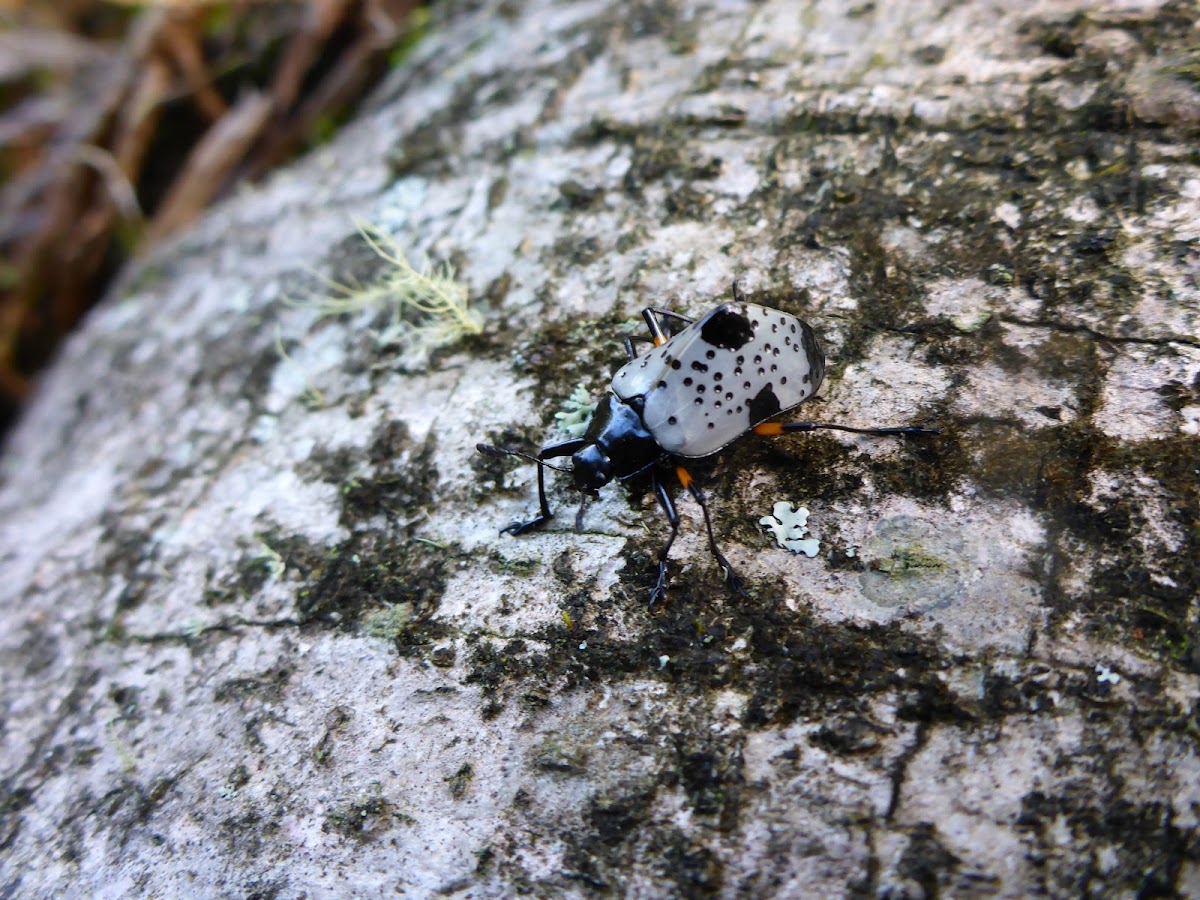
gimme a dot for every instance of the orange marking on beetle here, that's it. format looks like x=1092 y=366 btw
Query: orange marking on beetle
x=659 y=340
x=768 y=428
x=684 y=477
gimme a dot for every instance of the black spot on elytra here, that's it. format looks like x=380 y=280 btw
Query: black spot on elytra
x=699 y=366
x=812 y=350
x=726 y=329
x=675 y=364
x=764 y=405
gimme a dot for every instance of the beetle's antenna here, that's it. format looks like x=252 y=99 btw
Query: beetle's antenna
x=489 y=450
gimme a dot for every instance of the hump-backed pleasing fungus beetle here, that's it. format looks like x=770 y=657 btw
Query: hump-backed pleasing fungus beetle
x=695 y=393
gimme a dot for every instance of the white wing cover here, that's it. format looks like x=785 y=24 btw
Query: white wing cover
x=722 y=375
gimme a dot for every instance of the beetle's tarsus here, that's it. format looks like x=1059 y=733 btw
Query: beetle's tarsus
x=732 y=579
x=659 y=594
x=519 y=527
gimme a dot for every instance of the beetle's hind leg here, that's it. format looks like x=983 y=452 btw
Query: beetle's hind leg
x=771 y=428
x=732 y=579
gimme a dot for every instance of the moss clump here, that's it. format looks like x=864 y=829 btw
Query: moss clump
x=365 y=820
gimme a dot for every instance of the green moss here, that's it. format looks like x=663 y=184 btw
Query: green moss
x=460 y=781
x=367 y=819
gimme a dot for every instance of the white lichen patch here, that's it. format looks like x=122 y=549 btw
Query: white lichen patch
x=1135 y=401
x=788 y=524
x=1037 y=402
x=966 y=303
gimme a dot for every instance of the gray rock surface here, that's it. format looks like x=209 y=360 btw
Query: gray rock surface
x=261 y=636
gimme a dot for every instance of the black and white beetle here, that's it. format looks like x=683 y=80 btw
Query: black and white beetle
x=695 y=393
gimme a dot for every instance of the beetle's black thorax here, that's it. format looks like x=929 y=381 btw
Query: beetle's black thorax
x=617 y=429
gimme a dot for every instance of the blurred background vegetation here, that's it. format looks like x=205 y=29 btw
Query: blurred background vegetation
x=121 y=121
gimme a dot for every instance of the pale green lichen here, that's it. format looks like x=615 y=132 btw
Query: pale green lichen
x=576 y=413
x=271 y=560
x=424 y=307
x=390 y=622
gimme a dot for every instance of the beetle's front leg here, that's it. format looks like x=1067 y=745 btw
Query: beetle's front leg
x=554 y=451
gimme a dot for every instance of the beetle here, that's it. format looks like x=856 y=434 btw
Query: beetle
x=717 y=378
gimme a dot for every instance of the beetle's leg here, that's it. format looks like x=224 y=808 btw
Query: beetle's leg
x=731 y=577
x=629 y=348
x=664 y=500
x=566 y=448
x=738 y=296
x=770 y=428
x=657 y=334
x=579 y=513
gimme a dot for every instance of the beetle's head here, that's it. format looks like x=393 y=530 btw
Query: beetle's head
x=592 y=469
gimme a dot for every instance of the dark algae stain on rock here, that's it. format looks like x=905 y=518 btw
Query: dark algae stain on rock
x=383 y=563
x=793 y=665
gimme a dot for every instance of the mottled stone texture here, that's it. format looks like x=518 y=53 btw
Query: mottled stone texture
x=985 y=684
